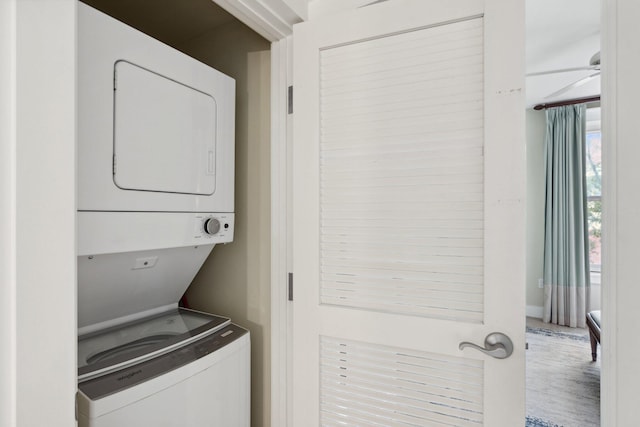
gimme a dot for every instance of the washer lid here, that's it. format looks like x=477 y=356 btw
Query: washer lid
x=121 y=346
x=230 y=342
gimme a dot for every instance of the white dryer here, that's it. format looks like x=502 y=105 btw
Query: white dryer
x=156 y=144
x=155 y=195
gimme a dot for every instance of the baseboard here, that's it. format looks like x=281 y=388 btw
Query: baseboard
x=534 y=311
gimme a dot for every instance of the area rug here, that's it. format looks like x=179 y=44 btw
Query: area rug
x=537 y=422
x=563 y=384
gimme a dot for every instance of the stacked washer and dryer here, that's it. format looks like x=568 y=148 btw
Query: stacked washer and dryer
x=155 y=195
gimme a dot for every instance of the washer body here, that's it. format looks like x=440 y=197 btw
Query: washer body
x=205 y=382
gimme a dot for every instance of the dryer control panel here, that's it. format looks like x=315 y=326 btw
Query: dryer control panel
x=214 y=227
x=110 y=232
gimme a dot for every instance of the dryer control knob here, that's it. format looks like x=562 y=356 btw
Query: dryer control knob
x=211 y=226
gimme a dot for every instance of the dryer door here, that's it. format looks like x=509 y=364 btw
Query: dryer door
x=164 y=133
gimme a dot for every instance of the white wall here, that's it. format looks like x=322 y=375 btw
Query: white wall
x=37 y=118
x=536 y=128
x=621 y=213
x=236 y=279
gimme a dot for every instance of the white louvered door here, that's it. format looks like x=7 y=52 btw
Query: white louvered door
x=409 y=214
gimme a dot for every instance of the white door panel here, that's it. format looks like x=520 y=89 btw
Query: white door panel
x=409 y=214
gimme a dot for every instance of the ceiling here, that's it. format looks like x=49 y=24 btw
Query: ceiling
x=560 y=34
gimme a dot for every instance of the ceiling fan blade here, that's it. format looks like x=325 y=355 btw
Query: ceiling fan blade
x=563 y=70
x=574 y=85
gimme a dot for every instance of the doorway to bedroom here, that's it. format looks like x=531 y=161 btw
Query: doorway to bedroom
x=563 y=265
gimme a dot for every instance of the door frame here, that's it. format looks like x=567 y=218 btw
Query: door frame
x=281 y=233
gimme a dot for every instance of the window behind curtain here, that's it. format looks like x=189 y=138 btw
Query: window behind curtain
x=593 y=173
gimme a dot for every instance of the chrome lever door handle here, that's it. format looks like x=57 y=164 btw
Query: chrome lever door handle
x=496 y=344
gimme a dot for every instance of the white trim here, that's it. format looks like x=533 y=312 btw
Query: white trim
x=280 y=231
x=44 y=114
x=272 y=19
x=289 y=246
x=8 y=302
x=535 y=311
x=609 y=374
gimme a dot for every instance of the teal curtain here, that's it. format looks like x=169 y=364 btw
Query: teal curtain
x=566 y=239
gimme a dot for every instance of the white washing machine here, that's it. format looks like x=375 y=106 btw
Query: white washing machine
x=155 y=195
x=181 y=368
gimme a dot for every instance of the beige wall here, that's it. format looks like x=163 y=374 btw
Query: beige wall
x=235 y=280
x=536 y=127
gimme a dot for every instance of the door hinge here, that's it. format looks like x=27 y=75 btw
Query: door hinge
x=114 y=165
x=290 y=99
x=290 y=285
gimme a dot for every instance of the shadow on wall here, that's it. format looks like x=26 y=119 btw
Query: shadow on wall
x=235 y=279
